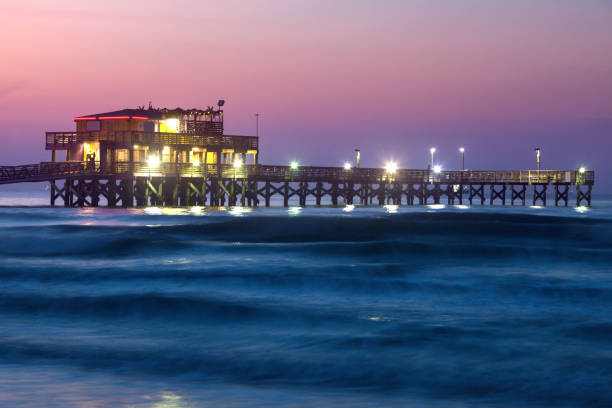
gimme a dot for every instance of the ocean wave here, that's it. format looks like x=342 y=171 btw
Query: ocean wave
x=171 y=308
x=449 y=367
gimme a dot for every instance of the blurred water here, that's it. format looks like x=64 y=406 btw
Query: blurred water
x=382 y=306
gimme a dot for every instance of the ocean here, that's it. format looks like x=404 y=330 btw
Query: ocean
x=433 y=306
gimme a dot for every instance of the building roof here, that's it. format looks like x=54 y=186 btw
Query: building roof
x=142 y=114
x=151 y=113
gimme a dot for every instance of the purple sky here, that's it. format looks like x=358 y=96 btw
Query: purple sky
x=389 y=77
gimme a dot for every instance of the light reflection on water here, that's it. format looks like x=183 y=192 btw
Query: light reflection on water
x=391 y=209
x=294 y=210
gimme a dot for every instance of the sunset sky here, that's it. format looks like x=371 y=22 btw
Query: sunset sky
x=389 y=77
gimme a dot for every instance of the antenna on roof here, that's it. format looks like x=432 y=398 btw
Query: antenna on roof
x=221 y=102
x=150 y=105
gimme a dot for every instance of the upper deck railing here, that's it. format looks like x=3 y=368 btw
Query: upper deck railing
x=49 y=171
x=127 y=139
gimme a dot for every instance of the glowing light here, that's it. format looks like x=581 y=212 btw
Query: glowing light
x=135 y=146
x=86 y=118
x=582 y=209
x=239 y=211
x=461 y=149
x=348 y=208
x=581 y=170
x=391 y=167
x=294 y=210
x=437 y=168
x=294 y=165
x=432 y=150
x=166 y=149
x=391 y=209
x=172 y=124
x=436 y=206
x=113 y=117
x=197 y=210
x=196 y=163
x=237 y=163
x=347 y=166
x=153 y=161
x=461 y=206
x=140 y=117
x=153 y=211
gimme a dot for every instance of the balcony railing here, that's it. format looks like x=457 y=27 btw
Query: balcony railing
x=127 y=139
x=50 y=170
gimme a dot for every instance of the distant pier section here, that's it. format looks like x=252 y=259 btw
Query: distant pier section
x=181 y=157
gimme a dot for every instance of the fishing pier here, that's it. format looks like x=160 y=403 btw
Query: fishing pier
x=161 y=157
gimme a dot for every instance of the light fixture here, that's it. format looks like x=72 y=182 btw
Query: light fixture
x=437 y=168
x=391 y=167
x=237 y=163
x=581 y=170
x=294 y=165
x=153 y=161
x=196 y=163
x=347 y=166
x=461 y=149
x=432 y=150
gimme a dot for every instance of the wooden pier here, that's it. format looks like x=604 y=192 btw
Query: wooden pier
x=181 y=157
x=129 y=184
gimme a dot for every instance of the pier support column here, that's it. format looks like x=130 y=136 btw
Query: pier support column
x=561 y=194
x=583 y=195
x=267 y=192
x=477 y=191
x=518 y=193
x=495 y=193
x=286 y=194
x=52 y=190
x=318 y=192
x=539 y=194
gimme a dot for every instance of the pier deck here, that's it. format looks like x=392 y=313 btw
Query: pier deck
x=182 y=184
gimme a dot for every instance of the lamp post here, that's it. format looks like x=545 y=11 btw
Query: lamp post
x=257 y=124
x=432 y=151
x=462 y=150
x=358 y=156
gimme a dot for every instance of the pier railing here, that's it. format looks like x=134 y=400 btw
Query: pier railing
x=53 y=170
x=127 y=139
x=46 y=171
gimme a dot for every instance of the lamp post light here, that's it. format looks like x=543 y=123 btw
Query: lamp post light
x=358 y=156
x=537 y=150
x=432 y=151
x=257 y=124
x=462 y=150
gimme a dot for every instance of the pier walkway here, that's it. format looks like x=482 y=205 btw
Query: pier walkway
x=181 y=184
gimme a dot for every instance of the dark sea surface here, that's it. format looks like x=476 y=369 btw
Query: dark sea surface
x=435 y=306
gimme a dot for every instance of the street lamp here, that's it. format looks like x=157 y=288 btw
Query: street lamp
x=347 y=166
x=432 y=151
x=537 y=150
x=462 y=150
x=358 y=156
x=294 y=165
x=437 y=169
x=391 y=167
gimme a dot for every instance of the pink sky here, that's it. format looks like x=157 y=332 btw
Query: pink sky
x=391 y=77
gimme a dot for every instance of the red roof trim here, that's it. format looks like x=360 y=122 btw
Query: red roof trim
x=140 y=117
x=86 y=118
x=113 y=117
